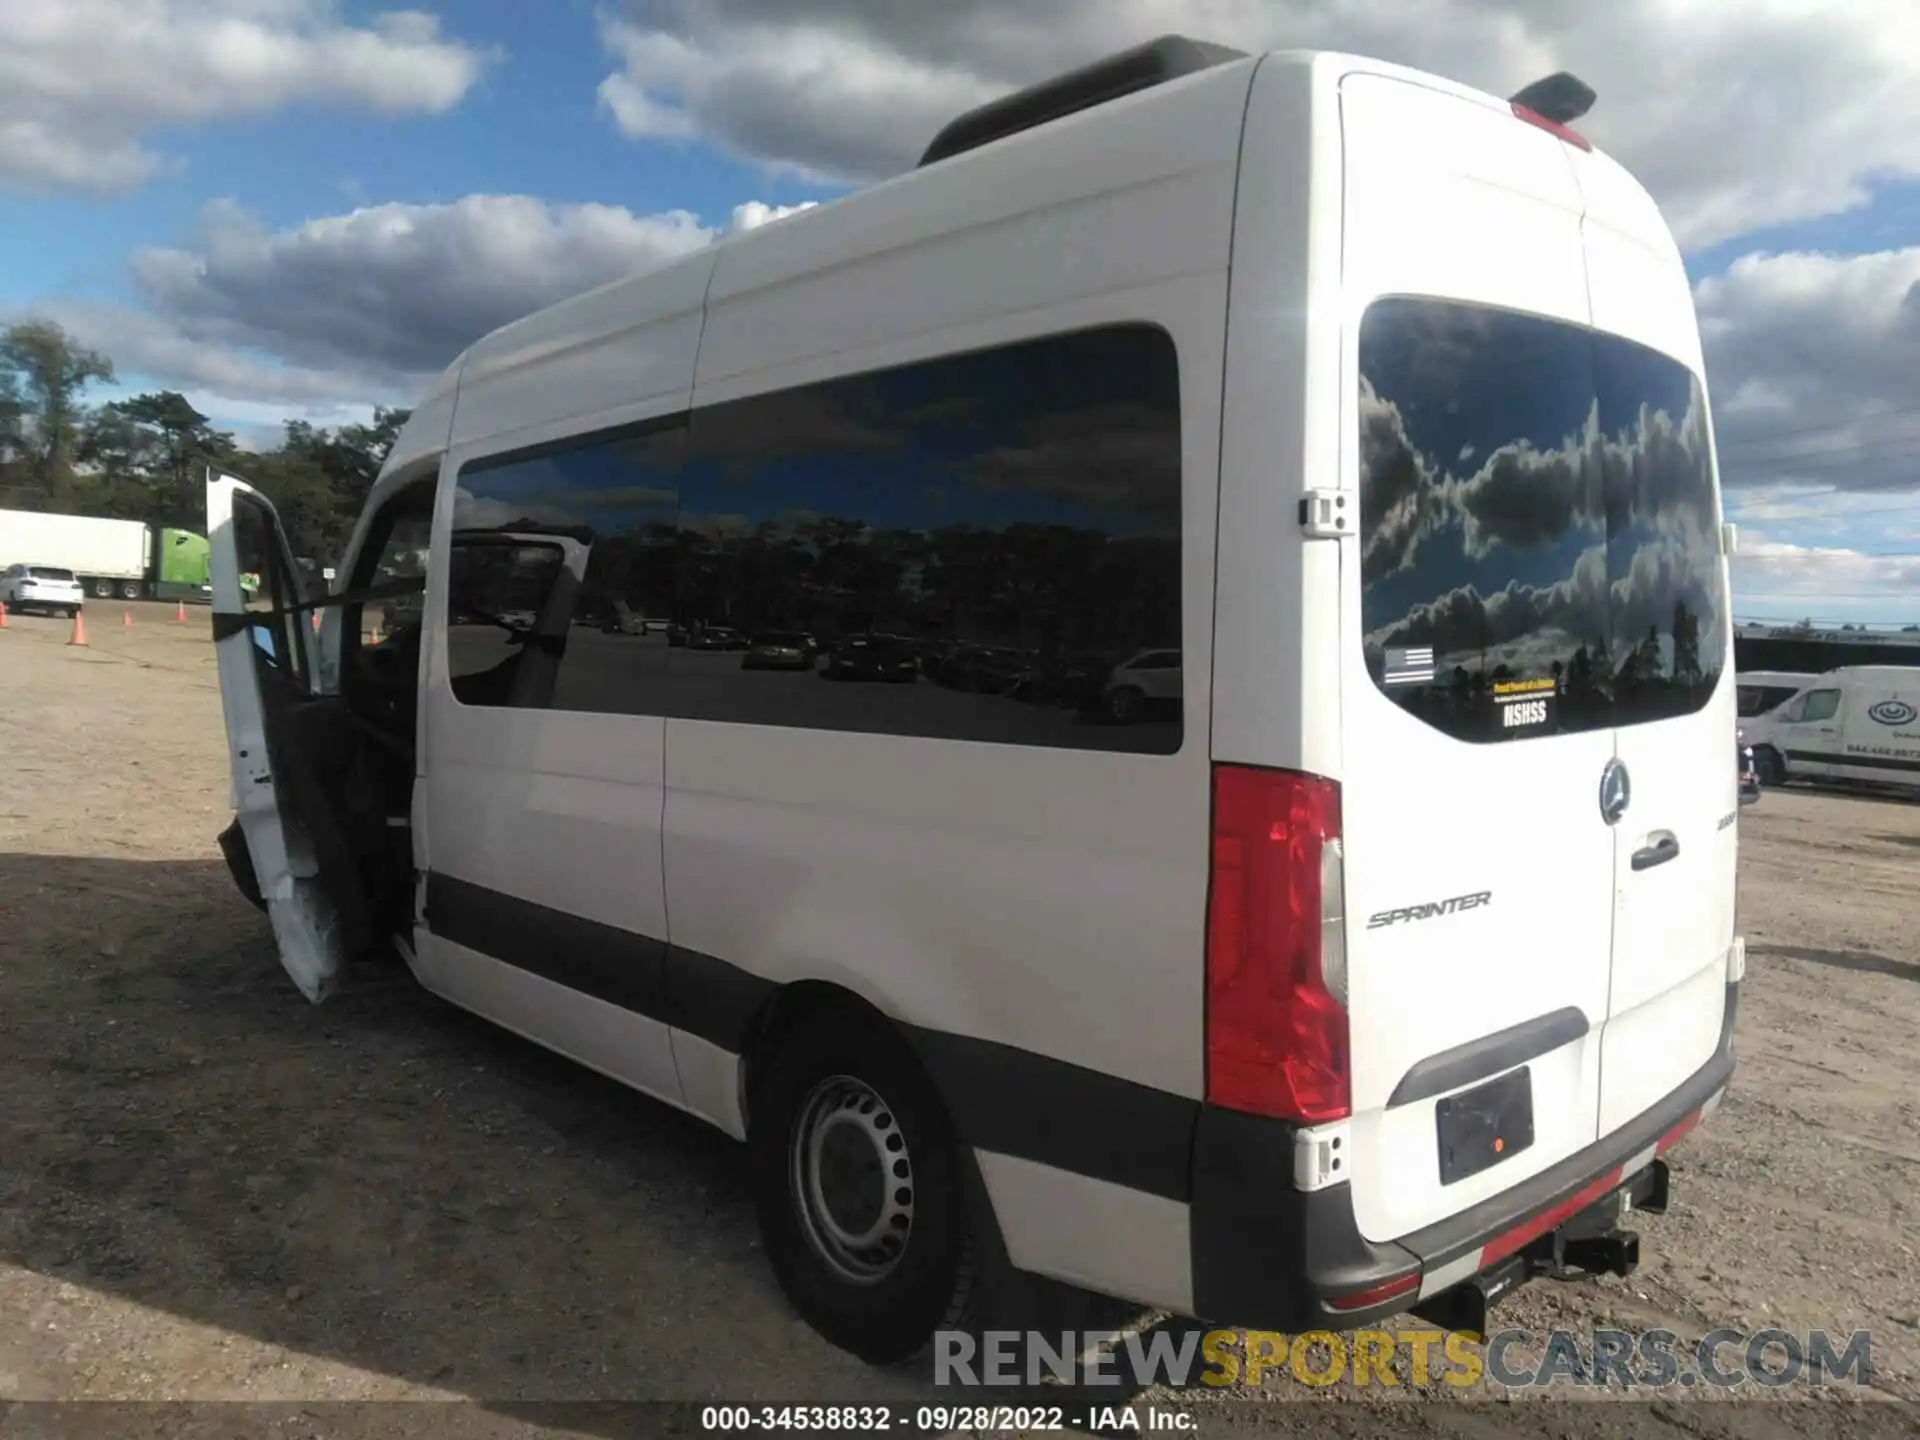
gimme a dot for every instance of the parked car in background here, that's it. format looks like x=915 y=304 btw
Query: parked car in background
x=717 y=637
x=989 y=669
x=778 y=650
x=1149 y=680
x=42 y=587
x=871 y=657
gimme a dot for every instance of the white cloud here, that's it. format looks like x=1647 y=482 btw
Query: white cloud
x=363 y=308
x=1777 y=571
x=396 y=291
x=1815 y=367
x=1735 y=116
x=142 y=343
x=755 y=213
x=83 y=82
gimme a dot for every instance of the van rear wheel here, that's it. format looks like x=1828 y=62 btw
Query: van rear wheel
x=857 y=1180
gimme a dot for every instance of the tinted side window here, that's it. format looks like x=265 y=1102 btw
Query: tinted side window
x=1667 y=600
x=562 y=573
x=1540 y=543
x=975 y=542
x=1483 y=530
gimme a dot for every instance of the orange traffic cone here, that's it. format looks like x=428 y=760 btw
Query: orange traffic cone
x=79 y=630
x=179 y=612
x=126 y=619
x=3 y=614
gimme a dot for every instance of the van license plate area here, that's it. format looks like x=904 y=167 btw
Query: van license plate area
x=1479 y=1128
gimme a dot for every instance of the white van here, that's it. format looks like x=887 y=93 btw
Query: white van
x=1377 y=968
x=1861 y=722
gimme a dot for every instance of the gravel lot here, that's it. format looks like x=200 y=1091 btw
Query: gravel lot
x=210 y=1190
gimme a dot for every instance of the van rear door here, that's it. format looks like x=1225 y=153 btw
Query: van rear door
x=1476 y=732
x=1671 y=642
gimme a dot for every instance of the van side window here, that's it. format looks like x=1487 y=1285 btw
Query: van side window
x=1539 y=548
x=561 y=555
x=976 y=542
x=1815 y=706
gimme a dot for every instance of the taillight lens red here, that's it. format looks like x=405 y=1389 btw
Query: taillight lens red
x=1552 y=127
x=1276 y=1031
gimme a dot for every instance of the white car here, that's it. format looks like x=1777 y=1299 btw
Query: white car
x=1147 y=679
x=41 y=587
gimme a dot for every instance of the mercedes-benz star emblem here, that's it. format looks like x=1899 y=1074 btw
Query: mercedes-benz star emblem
x=1615 y=791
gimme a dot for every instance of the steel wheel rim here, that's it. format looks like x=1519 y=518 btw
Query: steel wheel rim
x=851 y=1180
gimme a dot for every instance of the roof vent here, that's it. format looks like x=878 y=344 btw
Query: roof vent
x=1561 y=98
x=1141 y=68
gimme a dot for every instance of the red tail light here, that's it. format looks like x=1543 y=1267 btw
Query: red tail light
x=1552 y=127
x=1276 y=954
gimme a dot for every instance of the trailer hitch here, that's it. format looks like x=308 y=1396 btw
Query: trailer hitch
x=1594 y=1242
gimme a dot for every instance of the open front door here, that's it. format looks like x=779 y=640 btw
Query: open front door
x=302 y=872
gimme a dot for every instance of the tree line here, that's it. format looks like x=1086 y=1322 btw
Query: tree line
x=145 y=457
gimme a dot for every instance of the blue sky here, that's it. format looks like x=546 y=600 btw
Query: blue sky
x=303 y=207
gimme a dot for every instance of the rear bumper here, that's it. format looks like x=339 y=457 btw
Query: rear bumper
x=26 y=600
x=1266 y=1254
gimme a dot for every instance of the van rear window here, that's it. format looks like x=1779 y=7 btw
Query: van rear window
x=1539 y=530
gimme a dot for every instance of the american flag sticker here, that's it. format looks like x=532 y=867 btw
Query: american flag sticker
x=1411 y=666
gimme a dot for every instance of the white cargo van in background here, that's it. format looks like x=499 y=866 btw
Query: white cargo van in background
x=1370 y=955
x=1860 y=723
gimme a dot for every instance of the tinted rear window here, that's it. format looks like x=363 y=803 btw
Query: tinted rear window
x=1540 y=542
x=49 y=572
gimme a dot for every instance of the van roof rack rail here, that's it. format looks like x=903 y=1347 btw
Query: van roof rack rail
x=1125 y=73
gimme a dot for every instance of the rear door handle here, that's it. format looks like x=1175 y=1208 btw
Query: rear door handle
x=1666 y=848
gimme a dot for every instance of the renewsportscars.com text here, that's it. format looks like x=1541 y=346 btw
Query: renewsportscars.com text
x=1515 y=1359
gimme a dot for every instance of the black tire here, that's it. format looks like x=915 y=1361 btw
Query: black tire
x=1769 y=767
x=821 y=1081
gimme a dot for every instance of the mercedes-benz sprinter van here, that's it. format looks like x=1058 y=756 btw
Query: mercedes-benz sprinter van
x=1370 y=955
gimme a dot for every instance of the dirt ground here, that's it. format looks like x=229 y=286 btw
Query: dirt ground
x=210 y=1190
